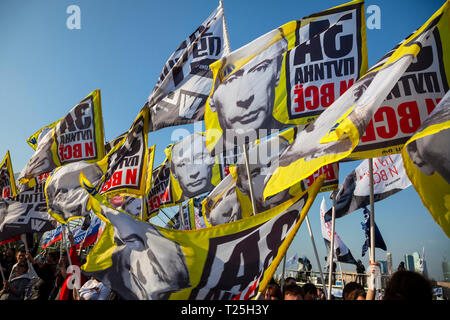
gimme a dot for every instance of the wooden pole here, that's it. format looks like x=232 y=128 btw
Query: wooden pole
x=372 y=213
x=316 y=254
x=249 y=176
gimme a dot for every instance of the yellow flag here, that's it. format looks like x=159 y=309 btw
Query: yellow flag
x=140 y=260
x=426 y=158
x=78 y=136
x=286 y=77
x=337 y=131
x=7 y=181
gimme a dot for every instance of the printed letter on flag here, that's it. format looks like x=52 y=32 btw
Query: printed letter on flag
x=426 y=158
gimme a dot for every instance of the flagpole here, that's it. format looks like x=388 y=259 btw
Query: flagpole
x=330 y=271
x=283 y=273
x=372 y=213
x=1 y=272
x=250 y=184
x=225 y=31
x=84 y=238
x=180 y=212
x=316 y=254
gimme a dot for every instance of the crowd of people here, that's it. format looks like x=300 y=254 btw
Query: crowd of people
x=402 y=285
x=47 y=276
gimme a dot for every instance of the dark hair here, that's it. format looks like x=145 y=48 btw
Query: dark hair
x=350 y=287
x=294 y=290
x=309 y=288
x=408 y=285
x=275 y=290
x=353 y=295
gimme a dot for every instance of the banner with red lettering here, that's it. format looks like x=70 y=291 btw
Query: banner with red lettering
x=389 y=177
x=335 y=134
x=122 y=171
x=78 y=136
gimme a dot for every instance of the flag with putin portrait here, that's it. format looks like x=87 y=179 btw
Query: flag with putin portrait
x=143 y=261
x=336 y=133
x=286 y=77
x=188 y=171
x=231 y=200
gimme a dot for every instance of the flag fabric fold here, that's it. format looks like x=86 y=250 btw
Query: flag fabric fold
x=25 y=213
x=184 y=84
x=426 y=158
x=341 y=251
x=379 y=241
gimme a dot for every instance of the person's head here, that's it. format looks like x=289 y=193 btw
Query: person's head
x=408 y=285
x=293 y=292
x=357 y=294
x=11 y=253
x=22 y=268
x=310 y=291
x=244 y=98
x=261 y=158
x=349 y=288
x=191 y=164
x=289 y=280
x=20 y=256
x=273 y=292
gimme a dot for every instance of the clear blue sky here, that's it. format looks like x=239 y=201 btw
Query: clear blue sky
x=45 y=69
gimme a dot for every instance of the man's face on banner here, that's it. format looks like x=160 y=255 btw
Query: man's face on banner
x=192 y=165
x=150 y=265
x=66 y=196
x=245 y=99
x=267 y=154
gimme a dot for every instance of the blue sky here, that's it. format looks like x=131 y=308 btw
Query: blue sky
x=45 y=69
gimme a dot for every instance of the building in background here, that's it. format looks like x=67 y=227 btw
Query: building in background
x=446 y=270
x=414 y=262
x=389 y=262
